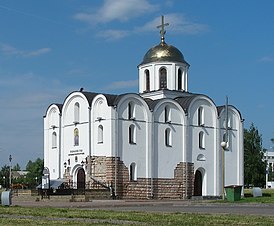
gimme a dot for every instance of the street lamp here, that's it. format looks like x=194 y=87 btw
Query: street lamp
x=4 y=178
x=224 y=145
x=10 y=158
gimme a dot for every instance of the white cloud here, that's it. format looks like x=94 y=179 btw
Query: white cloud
x=37 y=52
x=117 y=10
x=113 y=34
x=266 y=59
x=16 y=81
x=12 y=51
x=177 y=23
x=121 y=85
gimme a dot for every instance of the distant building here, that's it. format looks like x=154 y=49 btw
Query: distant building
x=164 y=142
x=20 y=174
x=269 y=158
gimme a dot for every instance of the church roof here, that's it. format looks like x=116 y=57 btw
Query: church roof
x=220 y=108
x=110 y=97
x=60 y=106
x=183 y=101
x=163 y=52
x=152 y=103
x=186 y=101
x=90 y=96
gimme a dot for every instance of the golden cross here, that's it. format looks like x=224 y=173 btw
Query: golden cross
x=162 y=31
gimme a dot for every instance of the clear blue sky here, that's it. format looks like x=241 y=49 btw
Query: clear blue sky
x=50 y=48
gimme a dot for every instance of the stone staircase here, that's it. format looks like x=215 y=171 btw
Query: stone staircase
x=92 y=194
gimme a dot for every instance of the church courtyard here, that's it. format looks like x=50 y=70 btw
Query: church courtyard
x=116 y=212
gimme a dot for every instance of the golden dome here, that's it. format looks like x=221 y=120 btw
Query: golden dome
x=163 y=52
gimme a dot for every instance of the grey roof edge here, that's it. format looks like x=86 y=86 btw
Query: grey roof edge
x=187 y=100
x=221 y=107
x=59 y=106
x=112 y=99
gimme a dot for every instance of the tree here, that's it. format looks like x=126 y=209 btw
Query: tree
x=16 y=167
x=254 y=166
x=34 y=171
x=4 y=174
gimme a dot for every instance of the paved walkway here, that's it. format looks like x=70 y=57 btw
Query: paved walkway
x=182 y=206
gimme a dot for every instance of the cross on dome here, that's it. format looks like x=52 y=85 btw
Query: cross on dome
x=162 y=31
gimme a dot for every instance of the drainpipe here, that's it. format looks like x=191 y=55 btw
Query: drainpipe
x=60 y=162
x=116 y=149
x=89 y=141
x=186 y=149
x=152 y=156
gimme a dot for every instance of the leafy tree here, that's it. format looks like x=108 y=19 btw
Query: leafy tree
x=254 y=166
x=5 y=173
x=16 y=167
x=34 y=171
x=270 y=172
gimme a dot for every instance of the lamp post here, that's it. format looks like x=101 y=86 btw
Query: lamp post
x=4 y=178
x=267 y=170
x=10 y=158
x=223 y=144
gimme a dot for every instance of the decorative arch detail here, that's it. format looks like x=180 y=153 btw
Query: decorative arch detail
x=201 y=157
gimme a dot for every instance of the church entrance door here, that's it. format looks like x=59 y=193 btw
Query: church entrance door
x=81 y=179
x=198 y=183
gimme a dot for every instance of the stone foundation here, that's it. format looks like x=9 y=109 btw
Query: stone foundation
x=103 y=169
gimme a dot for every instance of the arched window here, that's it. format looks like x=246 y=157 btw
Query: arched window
x=133 y=172
x=76 y=112
x=76 y=137
x=163 y=78
x=132 y=134
x=202 y=140
x=167 y=114
x=179 y=79
x=147 y=79
x=131 y=112
x=168 y=137
x=201 y=116
x=54 y=140
x=100 y=134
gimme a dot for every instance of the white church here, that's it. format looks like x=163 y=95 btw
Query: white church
x=163 y=142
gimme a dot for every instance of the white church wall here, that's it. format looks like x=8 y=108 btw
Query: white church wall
x=74 y=152
x=51 y=142
x=233 y=152
x=172 y=75
x=101 y=127
x=167 y=155
x=68 y=115
x=142 y=77
x=204 y=147
x=134 y=151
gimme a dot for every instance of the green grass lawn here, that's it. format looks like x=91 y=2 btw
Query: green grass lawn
x=15 y=215
x=268 y=196
x=67 y=216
